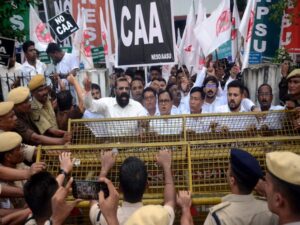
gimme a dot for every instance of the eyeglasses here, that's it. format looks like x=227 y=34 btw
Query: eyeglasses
x=210 y=85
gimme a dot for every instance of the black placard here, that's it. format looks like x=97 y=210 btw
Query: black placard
x=143 y=32
x=63 y=25
x=7 y=48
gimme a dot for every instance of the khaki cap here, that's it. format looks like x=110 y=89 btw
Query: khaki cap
x=294 y=73
x=285 y=166
x=149 y=215
x=5 y=107
x=18 y=95
x=9 y=140
x=36 y=81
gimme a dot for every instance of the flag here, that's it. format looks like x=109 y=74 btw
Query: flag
x=104 y=39
x=39 y=33
x=235 y=35
x=246 y=28
x=216 y=29
x=178 y=38
x=188 y=49
x=201 y=16
x=81 y=45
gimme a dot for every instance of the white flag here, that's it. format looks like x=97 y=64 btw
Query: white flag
x=39 y=33
x=188 y=48
x=235 y=35
x=216 y=29
x=246 y=28
x=201 y=16
x=81 y=46
x=178 y=38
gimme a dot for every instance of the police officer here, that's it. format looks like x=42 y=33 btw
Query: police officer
x=42 y=114
x=20 y=96
x=240 y=207
x=283 y=186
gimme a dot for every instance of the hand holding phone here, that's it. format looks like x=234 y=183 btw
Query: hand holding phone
x=88 y=190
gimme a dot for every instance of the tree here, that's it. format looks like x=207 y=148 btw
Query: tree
x=7 y=10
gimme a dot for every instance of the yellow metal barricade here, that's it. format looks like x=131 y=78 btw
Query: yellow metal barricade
x=200 y=146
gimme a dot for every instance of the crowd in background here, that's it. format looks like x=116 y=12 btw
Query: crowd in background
x=36 y=111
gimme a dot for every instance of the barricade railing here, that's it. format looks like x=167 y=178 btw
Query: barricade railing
x=183 y=128
x=200 y=157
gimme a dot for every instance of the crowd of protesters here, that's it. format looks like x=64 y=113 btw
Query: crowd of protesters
x=36 y=110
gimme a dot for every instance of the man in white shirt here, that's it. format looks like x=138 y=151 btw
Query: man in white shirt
x=166 y=126
x=120 y=106
x=149 y=102
x=9 y=76
x=235 y=92
x=197 y=124
x=271 y=120
x=64 y=63
x=265 y=97
x=211 y=101
x=32 y=66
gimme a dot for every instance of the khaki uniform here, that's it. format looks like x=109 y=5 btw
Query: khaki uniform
x=240 y=210
x=43 y=116
x=28 y=151
x=123 y=213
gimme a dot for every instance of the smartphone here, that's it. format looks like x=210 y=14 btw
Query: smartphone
x=88 y=190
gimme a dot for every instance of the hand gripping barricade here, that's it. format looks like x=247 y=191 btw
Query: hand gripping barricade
x=200 y=147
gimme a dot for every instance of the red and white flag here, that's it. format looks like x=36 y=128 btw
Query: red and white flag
x=216 y=29
x=246 y=28
x=81 y=45
x=188 y=49
x=39 y=33
x=235 y=35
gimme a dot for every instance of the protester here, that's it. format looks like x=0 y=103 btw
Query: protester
x=32 y=66
x=149 y=101
x=133 y=181
x=137 y=88
x=120 y=106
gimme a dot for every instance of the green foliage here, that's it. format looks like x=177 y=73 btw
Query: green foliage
x=279 y=7
x=7 y=10
x=280 y=55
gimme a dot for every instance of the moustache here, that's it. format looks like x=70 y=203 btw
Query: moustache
x=124 y=95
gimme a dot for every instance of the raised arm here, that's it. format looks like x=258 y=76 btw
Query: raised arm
x=164 y=159
x=184 y=200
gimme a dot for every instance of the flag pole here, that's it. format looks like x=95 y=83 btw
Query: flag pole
x=109 y=47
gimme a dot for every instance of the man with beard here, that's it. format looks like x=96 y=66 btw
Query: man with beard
x=234 y=97
x=211 y=101
x=42 y=113
x=265 y=97
x=120 y=106
x=270 y=120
